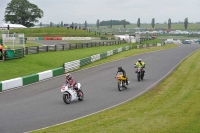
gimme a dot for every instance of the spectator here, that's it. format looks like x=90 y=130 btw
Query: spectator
x=1 y=52
x=1 y=46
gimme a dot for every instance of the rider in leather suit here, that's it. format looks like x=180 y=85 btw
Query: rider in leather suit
x=124 y=74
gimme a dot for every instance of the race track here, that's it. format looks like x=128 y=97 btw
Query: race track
x=40 y=105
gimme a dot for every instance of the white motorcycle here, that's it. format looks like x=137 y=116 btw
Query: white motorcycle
x=70 y=94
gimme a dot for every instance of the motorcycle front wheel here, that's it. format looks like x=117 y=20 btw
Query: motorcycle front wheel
x=119 y=86
x=81 y=97
x=138 y=77
x=67 y=98
x=142 y=76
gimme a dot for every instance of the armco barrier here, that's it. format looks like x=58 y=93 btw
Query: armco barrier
x=103 y=55
x=115 y=51
x=119 y=50
x=70 y=66
x=95 y=57
x=109 y=53
x=85 y=61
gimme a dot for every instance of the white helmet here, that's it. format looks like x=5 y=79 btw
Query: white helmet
x=139 y=60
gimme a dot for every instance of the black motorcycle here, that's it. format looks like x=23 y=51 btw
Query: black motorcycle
x=140 y=74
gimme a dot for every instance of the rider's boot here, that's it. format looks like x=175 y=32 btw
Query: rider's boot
x=79 y=94
x=127 y=82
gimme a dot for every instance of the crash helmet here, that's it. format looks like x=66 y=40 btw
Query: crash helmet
x=68 y=76
x=139 y=60
x=119 y=68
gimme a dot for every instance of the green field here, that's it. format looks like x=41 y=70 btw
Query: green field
x=155 y=41
x=54 y=32
x=64 y=32
x=170 y=107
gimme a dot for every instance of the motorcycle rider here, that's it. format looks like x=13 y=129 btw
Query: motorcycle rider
x=140 y=64
x=124 y=74
x=72 y=83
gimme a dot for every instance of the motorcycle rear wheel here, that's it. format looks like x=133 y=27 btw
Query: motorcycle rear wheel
x=66 y=99
x=82 y=97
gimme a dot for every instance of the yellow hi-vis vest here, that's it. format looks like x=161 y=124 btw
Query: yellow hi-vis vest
x=140 y=65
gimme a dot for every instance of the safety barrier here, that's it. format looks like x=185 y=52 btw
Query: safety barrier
x=25 y=80
x=60 y=38
x=73 y=65
x=52 y=38
x=68 y=46
x=77 y=38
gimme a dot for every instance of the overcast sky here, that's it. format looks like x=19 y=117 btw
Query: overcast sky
x=79 y=11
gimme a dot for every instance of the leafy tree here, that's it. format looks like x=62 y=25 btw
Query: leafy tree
x=138 y=23
x=61 y=24
x=111 y=23
x=98 y=24
x=169 y=23
x=22 y=12
x=186 y=23
x=114 y=22
x=124 y=24
x=153 y=23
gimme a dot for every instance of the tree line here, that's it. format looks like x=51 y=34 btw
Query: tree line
x=25 y=13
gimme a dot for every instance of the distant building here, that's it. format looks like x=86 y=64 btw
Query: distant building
x=11 y=26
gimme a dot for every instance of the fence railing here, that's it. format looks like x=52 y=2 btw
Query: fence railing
x=62 y=47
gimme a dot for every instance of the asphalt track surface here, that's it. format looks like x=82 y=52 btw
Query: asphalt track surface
x=40 y=105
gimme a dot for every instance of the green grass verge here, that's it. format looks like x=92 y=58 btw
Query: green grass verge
x=34 y=63
x=155 y=41
x=30 y=44
x=170 y=107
